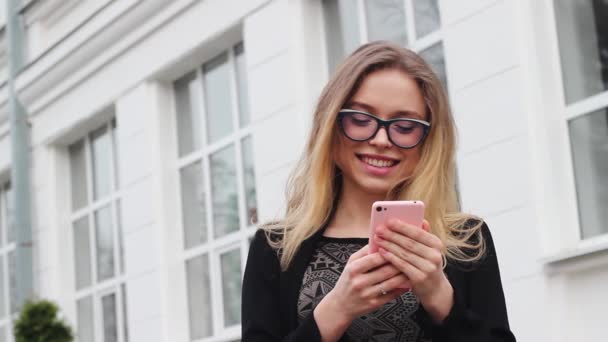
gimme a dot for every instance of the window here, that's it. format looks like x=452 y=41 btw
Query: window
x=217 y=190
x=583 y=45
x=97 y=240
x=8 y=281
x=415 y=24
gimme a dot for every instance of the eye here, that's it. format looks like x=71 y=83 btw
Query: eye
x=405 y=127
x=360 y=119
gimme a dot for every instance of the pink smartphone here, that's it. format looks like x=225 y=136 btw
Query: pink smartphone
x=411 y=212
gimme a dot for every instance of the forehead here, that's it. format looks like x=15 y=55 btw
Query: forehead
x=389 y=93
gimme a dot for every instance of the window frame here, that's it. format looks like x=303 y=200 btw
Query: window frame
x=214 y=246
x=7 y=248
x=555 y=190
x=116 y=284
x=416 y=44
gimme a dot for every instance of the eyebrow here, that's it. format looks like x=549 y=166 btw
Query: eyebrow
x=372 y=110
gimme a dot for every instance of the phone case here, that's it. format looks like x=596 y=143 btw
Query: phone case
x=411 y=212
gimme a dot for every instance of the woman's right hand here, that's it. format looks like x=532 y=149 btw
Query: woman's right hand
x=367 y=282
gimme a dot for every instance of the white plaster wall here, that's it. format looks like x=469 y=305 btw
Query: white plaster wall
x=495 y=166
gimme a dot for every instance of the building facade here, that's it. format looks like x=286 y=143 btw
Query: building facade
x=161 y=132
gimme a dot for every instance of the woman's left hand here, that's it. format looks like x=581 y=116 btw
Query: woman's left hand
x=417 y=253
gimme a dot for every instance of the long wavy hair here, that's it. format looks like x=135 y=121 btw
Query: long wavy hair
x=314 y=185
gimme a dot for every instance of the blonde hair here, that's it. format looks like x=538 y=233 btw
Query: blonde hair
x=313 y=187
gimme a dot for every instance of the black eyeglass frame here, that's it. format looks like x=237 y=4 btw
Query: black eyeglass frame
x=383 y=123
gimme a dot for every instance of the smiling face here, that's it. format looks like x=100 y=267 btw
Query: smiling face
x=373 y=166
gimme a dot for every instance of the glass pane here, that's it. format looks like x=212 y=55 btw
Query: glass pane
x=2 y=301
x=342 y=29
x=193 y=205
x=104 y=235
x=115 y=144
x=82 y=253
x=78 y=175
x=224 y=192
x=426 y=17
x=386 y=21
x=2 y=214
x=121 y=247
x=125 y=319
x=101 y=147
x=249 y=181
x=188 y=114
x=434 y=56
x=589 y=137
x=199 y=297
x=84 y=319
x=583 y=45
x=231 y=286
x=110 y=328
x=218 y=97
x=12 y=278
x=10 y=214
x=241 y=79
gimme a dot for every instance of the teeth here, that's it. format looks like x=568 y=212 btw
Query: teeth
x=378 y=162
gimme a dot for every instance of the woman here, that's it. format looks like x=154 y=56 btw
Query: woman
x=382 y=130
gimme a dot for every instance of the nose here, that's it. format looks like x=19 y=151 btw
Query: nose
x=381 y=138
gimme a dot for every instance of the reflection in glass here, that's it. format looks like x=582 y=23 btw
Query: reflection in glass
x=84 y=308
x=231 y=286
x=82 y=253
x=199 y=297
x=218 y=98
x=342 y=29
x=193 y=205
x=583 y=46
x=110 y=327
x=241 y=80
x=10 y=214
x=426 y=17
x=12 y=282
x=434 y=56
x=386 y=21
x=589 y=139
x=224 y=191
x=2 y=301
x=188 y=114
x=249 y=181
x=123 y=288
x=101 y=147
x=104 y=236
x=78 y=175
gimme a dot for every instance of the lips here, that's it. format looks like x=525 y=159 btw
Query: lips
x=378 y=161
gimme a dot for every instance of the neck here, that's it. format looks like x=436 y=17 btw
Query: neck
x=352 y=215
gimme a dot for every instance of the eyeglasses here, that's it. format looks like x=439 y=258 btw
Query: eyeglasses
x=361 y=126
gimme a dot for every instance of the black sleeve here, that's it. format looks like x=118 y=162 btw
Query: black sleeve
x=261 y=302
x=479 y=313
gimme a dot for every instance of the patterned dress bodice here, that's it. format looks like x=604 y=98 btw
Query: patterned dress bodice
x=395 y=321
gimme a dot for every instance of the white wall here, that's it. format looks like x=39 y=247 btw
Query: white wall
x=489 y=103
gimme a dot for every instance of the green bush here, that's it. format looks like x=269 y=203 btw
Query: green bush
x=38 y=322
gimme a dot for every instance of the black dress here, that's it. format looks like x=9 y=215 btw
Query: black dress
x=270 y=310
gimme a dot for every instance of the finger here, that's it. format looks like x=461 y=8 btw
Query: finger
x=396 y=283
x=380 y=274
x=389 y=236
x=365 y=263
x=410 y=271
x=424 y=258
x=426 y=265
x=415 y=233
